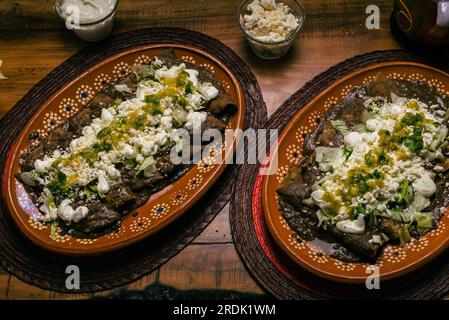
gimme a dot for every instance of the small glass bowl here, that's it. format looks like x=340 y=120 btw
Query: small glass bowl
x=90 y=31
x=271 y=50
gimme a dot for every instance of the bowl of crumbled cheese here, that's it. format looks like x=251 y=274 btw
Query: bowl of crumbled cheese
x=271 y=27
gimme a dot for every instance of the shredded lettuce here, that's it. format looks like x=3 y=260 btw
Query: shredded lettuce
x=439 y=138
x=423 y=221
x=360 y=128
x=179 y=116
x=340 y=125
x=327 y=157
x=148 y=161
x=28 y=179
x=53 y=228
x=404 y=235
x=51 y=201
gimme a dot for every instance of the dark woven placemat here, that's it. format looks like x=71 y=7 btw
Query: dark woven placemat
x=46 y=270
x=264 y=259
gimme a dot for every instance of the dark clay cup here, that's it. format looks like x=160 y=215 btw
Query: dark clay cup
x=424 y=22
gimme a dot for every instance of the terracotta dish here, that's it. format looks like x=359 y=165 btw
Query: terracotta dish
x=164 y=206
x=395 y=260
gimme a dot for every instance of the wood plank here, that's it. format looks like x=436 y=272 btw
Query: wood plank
x=33 y=42
x=218 y=231
x=213 y=266
x=145 y=281
x=4 y=283
x=329 y=26
x=52 y=295
x=19 y=290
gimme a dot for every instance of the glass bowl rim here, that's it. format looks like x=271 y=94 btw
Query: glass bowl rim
x=293 y=35
x=55 y=6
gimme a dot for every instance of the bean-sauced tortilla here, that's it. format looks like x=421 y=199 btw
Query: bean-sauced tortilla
x=111 y=156
x=377 y=170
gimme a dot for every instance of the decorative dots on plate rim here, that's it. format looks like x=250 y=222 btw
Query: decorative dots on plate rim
x=437 y=84
x=281 y=172
x=296 y=242
x=439 y=230
x=417 y=76
x=226 y=85
x=344 y=266
x=284 y=224
x=140 y=224
x=188 y=59
x=86 y=241
x=206 y=165
x=101 y=80
x=208 y=66
x=379 y=263
x=159 y=210
x=84 y=93
x=178 y=198
x=395 y=75
x=121 y=69
x=394 y=254
x=416 y=245
x=314 y=118
x=368 y=79
x=346 y=89
x=118 y=233
x=142 y=59
x=51 y=120
x=294 y=154
x=194 y=182
x=330 y=102
x=68 y=107
x=302 y=132
x=60 y=236
x=316 y=254
x=36 y=224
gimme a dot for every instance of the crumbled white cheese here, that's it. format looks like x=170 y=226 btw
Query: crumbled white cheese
x=51 y=213
x=352 y=226
x=195 y=119
x=208 y=91
x=91 y=162
x=67 y=213
x=353 y=139
x=193 y=76
x=376 y=239
x=128 y=151
x=122 y=88
x=425 y=186
x=106 y=115
x=103 y=185
x=270 y=21
x=171 y=72
x=403 y=168
x=43 y=166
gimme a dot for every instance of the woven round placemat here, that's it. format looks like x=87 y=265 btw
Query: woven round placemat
x=264 y=259
x=47 y=270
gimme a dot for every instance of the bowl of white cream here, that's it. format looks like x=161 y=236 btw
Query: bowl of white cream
x=271 y=27
x=91 y=20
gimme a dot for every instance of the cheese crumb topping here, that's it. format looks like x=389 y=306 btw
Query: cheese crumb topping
x=383 y=168
x=128 y=133
x=270 y=21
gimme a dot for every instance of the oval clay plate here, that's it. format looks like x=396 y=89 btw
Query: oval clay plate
x=164 y=206
x=395 y=260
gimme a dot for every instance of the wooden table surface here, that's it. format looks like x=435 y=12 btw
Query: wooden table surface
x=33 y=42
